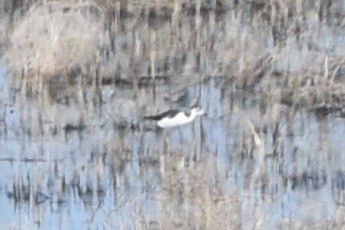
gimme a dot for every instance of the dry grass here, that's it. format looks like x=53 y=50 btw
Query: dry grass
x=193 y=197
x=54 y=38
x=246 y=42
x=268 y=50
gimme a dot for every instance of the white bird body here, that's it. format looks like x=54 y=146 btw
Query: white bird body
x=178 y=120
x=175 y=118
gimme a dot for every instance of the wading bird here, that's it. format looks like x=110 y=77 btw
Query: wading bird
x=174 y=118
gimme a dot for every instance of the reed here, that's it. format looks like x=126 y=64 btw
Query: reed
x=260 y=68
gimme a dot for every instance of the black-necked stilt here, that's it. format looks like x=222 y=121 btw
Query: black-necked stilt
x=173 y=118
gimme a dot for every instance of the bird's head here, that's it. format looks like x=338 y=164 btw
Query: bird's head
x=198 y=111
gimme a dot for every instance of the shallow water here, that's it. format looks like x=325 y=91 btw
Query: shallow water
x=251 y=162
x=213 y=172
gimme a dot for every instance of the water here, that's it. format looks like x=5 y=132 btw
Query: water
x=209 y=172
x=80 y=156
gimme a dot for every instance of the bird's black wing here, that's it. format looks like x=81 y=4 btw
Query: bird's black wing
x=169 y=113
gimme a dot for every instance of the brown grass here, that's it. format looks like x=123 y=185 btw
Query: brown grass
x=55 y=37
x=192 y=197
x=254 y=47
x=140 y=38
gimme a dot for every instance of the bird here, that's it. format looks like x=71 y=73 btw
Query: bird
x=174 y=118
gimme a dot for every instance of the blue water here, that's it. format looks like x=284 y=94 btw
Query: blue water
x=104 y=159
x=106 y=178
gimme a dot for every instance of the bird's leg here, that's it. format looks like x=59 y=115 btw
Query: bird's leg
x=165 y=144
x=164 y=152
x=180 y=136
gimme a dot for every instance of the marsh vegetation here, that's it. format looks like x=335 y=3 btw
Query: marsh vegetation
x=76 y=78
